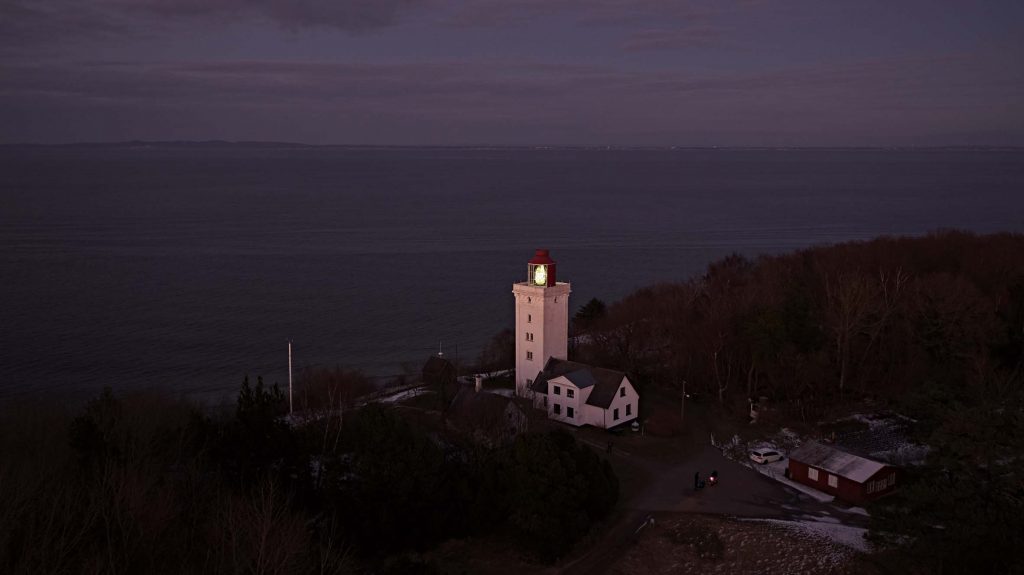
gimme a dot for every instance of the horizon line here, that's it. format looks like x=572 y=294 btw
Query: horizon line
x=276 y=143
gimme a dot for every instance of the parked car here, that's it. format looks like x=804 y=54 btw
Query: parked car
x=765 y=456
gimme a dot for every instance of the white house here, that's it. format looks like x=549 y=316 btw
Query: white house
x=579 y=394
x=570 y=392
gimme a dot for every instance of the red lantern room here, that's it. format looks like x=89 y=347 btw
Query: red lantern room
x=541 y=269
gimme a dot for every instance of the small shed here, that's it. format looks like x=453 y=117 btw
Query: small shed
x=848 y=476
x=492 y=418
x=438 y=371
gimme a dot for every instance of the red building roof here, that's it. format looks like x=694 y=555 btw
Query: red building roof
x=541 y=257
x=836 y=461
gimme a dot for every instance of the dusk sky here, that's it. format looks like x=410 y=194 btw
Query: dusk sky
x=515 y=72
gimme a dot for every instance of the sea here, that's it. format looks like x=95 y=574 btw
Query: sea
x=184 y=268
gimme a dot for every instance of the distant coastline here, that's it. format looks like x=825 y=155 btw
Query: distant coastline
x=257 y=144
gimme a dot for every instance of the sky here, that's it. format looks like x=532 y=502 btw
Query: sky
x=515 y=72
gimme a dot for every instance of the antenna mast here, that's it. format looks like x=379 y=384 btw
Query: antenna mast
x=290 y=407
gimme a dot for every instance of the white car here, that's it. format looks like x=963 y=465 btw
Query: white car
x=765 y=456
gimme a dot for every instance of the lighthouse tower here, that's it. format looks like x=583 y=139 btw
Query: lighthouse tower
x=542 y=320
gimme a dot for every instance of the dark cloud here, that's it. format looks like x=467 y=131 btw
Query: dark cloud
x=493 y=101
x=512 y=71
x=349 y=15
x=33 y=22
x=28 y=22
x=608 y=12
x=673 y=39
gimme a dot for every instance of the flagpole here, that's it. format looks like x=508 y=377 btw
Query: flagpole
x=290 y=407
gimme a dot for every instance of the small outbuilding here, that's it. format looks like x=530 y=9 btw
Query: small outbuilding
x=493 y=419
x=848 y=476
x=438 y=371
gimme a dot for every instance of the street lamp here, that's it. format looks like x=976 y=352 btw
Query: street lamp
x=682 y=407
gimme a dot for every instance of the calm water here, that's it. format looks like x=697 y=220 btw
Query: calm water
x=184 y=269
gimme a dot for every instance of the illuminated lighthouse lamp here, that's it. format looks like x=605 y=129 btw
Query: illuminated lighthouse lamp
x=541 y=269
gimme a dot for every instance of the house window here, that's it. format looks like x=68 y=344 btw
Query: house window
x=876 y=485
x=629 y=409
x=529 y=355
x=558 y=390
x=812 y=473
x=570 y=393
x=615 y=415
x=558 y=409
x=545 y=402
x=568 y=411
x=622 y=392
x=833 y=481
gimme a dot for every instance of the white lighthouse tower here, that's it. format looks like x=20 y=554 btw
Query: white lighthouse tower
x=542 y=320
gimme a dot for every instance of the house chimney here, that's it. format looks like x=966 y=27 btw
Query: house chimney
x=479 y=381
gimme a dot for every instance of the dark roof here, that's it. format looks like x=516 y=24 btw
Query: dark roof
x=480 y=408
x=836 y=461
x=605 y=381
x=437 y=370
x=581 y=378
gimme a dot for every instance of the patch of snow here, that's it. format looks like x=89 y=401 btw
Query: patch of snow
x=493 y=374
x=402 y=396
x=905 y=453
x=855 y=511
x=763 y=445
x=845 y=535
x=501 y=392
x=820 y=519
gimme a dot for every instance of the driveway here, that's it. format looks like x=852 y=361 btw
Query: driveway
x=663 y=484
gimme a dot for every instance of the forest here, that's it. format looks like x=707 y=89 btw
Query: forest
x=147 y=484
x=931 y=328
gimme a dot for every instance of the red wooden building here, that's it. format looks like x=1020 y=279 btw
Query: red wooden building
x=847 y=476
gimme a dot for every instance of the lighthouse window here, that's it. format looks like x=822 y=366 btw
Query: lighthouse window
x=529 y=318
x=529 y=355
